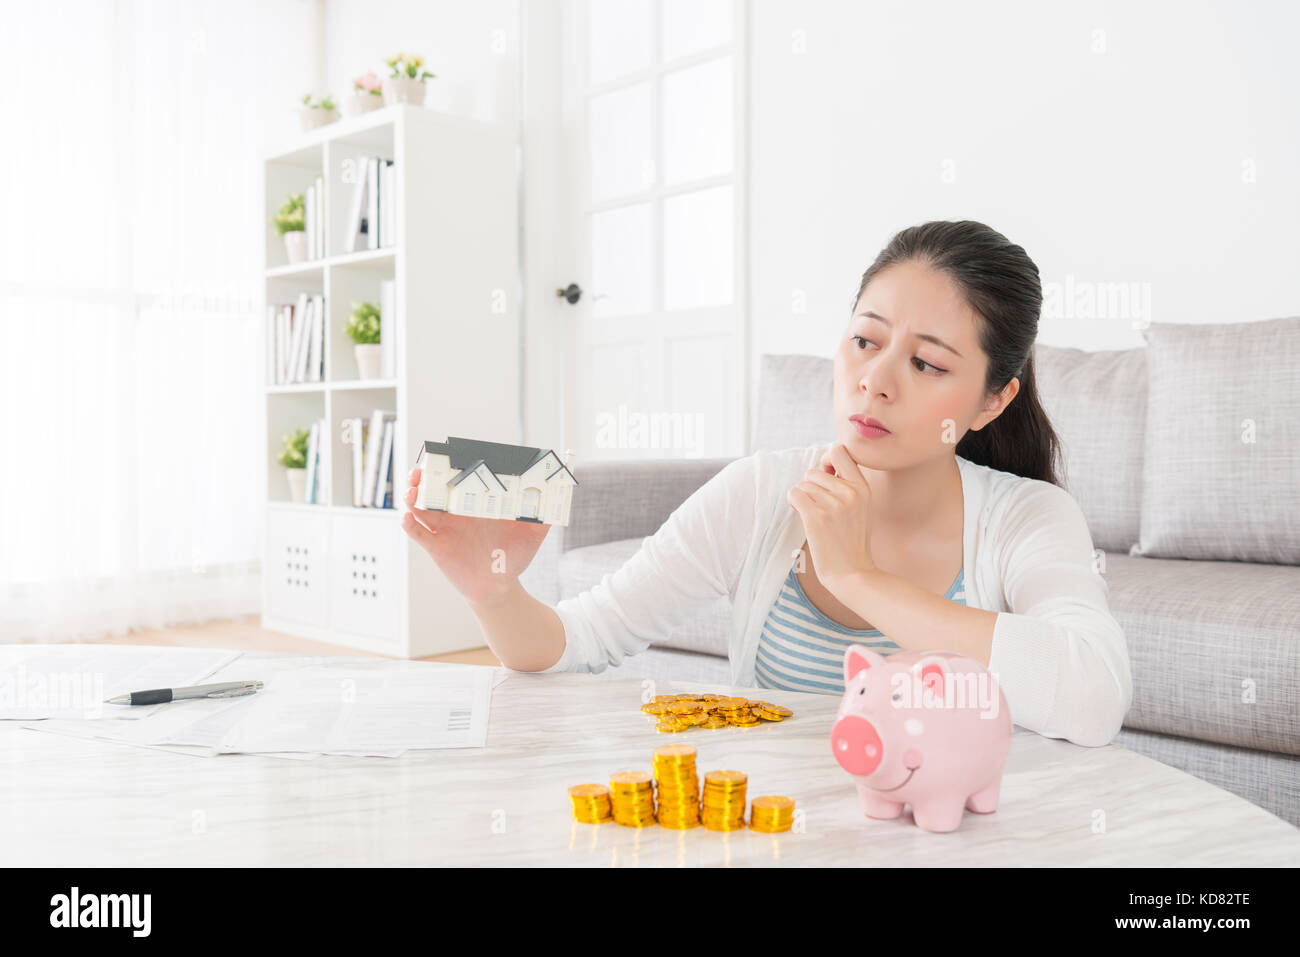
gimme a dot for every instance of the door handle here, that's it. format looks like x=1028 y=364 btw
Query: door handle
x=572 y=294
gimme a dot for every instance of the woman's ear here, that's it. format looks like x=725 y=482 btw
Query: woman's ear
x=996 y=404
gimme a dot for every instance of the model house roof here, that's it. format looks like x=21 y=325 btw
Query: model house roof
x=473 y=470
x=502 y=459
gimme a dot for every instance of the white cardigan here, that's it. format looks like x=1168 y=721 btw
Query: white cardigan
x=1058 y=654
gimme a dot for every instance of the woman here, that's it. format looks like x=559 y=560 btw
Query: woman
x=935 y=518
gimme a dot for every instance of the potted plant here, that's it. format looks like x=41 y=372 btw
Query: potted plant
x=294 y=459
x=366 y=95
x=406 y=83
x=291 y=223
x=364 y=329
x=316 y=113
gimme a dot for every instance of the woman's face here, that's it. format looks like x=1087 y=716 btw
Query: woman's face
x=926 y=391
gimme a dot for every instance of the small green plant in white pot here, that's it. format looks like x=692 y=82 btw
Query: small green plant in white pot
x=291 y=223
x=316 y=113
x=367 y=95
x=364 y=327
x=293 y=456
x=406 y=83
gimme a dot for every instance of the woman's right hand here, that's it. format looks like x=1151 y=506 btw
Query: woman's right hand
x=481 y=557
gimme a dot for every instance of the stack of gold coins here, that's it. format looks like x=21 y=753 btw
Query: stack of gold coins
x=591 y=803
x=724 y=800
x=633 y=798
x=771 y=813
x=678 y=786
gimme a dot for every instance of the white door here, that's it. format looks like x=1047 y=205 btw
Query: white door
x=651 y=159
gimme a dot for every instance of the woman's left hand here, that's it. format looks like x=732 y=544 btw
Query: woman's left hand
x=834 y=502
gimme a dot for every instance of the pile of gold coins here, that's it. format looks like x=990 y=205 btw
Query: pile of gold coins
x=633 y=798
x=771 y=813
x=591 y=803
x=724 y=800
x=678 y=786
x=630 y=799
x=678 y=712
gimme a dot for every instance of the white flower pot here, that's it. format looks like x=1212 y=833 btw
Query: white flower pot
x=295 y=244
x=312 y=117
x=403 y=89
x=369 y=359
x=363 y=102
x=297 y=484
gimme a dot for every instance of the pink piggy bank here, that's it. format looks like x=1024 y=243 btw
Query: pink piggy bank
x=930 y=729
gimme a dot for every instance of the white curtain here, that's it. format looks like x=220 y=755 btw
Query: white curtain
x=131 y=463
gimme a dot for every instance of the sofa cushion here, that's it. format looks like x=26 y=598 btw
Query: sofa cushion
x=1096 y=402
x=1214 y=647
x=584 y=568
x=1221 y=471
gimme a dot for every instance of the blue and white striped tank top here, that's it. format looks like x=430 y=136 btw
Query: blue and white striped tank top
x=800 y=649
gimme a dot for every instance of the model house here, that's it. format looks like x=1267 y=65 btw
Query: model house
x=494 y=480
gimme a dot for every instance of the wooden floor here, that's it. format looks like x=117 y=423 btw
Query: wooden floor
x=246 y=634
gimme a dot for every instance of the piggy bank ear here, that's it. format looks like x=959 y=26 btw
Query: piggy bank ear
x=858 y=658
x=933 y=672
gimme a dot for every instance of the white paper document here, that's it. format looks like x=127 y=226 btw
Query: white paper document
x=317 y=705
x=72 y=681
x=330 y=710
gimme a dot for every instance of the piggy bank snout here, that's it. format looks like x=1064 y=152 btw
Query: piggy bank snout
x=856 y=744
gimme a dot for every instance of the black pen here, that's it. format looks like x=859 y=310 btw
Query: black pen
x=228 y=689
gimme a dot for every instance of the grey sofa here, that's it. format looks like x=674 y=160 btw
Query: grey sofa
x=1214 y=643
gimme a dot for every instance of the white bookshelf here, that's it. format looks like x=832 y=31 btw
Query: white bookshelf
x=350 y=575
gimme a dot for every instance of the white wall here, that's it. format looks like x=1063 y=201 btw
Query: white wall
x=1123 y=165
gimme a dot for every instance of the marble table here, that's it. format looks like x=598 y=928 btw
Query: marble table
x=71 y=801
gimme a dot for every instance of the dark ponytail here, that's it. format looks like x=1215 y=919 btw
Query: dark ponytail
x=1000 y=283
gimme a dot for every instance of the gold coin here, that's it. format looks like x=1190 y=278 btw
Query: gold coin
x=776 y=709
x=588 y=791
x=670 y=727
x=684 y=707
x=726 y=778
x=772 y=802
x=675 y=751
x=636 y=778
x=768 y=715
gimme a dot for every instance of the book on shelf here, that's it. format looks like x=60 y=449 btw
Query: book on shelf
x=371 y=470
x=316 y=332
x=374 y=445
x=372 y=207
x=384 y=487
x=299 y=340
x=372 y=202
x=313 y=438
x=387 y=203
